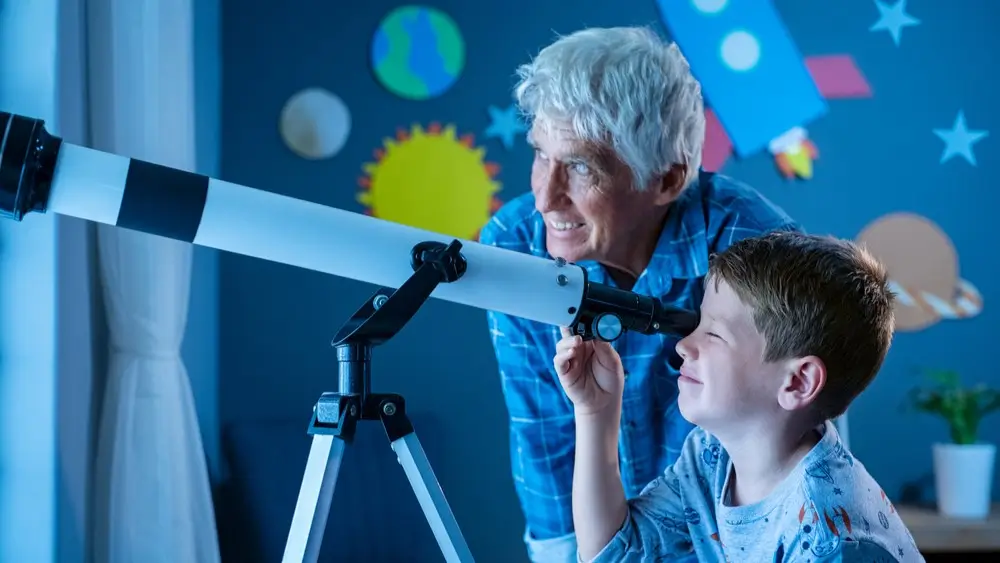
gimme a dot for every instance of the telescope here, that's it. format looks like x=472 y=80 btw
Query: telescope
x=41 y=173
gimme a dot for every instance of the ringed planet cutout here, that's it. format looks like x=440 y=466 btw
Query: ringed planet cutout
x=315 y=124
x=417 y=52
x=431 y=179
x=924 y=271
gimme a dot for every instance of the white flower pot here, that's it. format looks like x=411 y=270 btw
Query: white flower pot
x=963 y=475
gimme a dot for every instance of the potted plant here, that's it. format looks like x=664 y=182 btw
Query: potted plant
x=963 y=468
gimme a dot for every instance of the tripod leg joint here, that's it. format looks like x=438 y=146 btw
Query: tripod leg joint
x=336 y=415
x=392 y=413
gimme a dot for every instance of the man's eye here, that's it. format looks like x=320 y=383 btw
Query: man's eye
x=713 y=335
x=581 y=168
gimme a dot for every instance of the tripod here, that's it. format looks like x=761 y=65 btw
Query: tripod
x=336 y=414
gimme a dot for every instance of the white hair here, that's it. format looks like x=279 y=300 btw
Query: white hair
x=623 y=87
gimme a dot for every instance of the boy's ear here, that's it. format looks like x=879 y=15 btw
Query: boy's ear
x=801 y=387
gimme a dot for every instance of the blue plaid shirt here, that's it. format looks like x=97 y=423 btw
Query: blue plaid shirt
x=714 y=212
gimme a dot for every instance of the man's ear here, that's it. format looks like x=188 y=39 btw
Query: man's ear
x=670 y=185
x=805 y=379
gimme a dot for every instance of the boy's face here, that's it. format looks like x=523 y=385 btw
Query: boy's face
x=724 y=381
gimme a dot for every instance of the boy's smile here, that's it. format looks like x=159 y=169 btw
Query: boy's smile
x=724 y=380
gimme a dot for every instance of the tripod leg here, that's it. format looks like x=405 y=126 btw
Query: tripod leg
x=315 y=496
x=432 y=500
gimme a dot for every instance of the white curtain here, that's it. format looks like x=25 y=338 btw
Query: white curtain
x=152 y=497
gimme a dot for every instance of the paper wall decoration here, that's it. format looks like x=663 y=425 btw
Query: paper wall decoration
x=417 y=52
x=505 y=124
x=924 y=268
x=433 y=180
x=893 y=19
x=959 y=140
x=836 y=76
x=315 y=124
x=760 y=90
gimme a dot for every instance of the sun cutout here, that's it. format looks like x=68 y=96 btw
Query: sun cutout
x=431 y=180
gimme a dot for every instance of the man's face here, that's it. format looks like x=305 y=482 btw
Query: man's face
x=586 y=197
x=724 y=381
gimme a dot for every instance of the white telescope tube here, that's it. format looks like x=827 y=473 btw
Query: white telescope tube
x=39 y=172
x=115 y=190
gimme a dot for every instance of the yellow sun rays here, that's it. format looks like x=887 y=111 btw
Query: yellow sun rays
x=433 y=180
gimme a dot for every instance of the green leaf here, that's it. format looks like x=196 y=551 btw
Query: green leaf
x=963 y=408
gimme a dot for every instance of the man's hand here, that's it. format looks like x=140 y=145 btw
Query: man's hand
x=590 y=372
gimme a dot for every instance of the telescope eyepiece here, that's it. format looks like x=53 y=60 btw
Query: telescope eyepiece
x=608 y=312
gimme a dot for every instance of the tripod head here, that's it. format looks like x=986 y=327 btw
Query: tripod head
x=374 y=323
x=385 y=314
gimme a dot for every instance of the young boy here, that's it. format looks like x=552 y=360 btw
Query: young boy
x=793 y=327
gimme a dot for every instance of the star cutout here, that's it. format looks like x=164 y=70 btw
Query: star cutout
x=505 y=124
x=959 y=140
x=893 y=19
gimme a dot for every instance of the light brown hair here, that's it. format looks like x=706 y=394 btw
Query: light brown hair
x=814 y=295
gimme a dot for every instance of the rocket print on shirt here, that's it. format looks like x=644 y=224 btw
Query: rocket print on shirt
x=722 y=546
x=836 y=519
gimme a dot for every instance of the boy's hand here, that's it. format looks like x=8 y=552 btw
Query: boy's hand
x=590 y=372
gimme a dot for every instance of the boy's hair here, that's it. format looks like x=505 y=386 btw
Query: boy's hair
x=815 y=295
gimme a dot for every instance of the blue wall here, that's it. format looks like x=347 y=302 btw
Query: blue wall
x=878 y=155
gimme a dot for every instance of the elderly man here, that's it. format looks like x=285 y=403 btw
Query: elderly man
x=617 y=126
